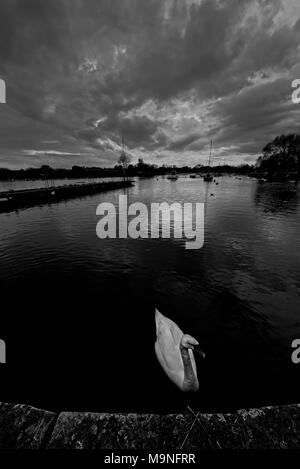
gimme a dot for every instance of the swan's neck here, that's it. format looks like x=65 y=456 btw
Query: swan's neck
x=190 y=382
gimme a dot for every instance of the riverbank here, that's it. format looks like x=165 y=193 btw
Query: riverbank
x=22 y=426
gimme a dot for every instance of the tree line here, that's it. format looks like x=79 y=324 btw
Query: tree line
x=279 y=159
x=141 y=169
x=281 y=156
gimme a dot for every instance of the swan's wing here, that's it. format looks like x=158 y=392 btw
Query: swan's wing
x=173 y=368
x=169 y=351
x=163 y=323
x=167 y=348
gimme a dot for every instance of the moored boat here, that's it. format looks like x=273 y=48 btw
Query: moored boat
x=173 y=176
x=208 y=177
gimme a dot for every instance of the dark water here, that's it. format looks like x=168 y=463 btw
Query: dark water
x=77 y=313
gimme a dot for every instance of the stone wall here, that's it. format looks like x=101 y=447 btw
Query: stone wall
x=23 y=427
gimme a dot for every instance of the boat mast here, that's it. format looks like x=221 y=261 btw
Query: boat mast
x=123 y=158
x=123 y=146
x=211 y=143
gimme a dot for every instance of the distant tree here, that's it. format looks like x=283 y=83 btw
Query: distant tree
x=281 y=155
x=130 y=169
x=141 y=166
x=46 y=169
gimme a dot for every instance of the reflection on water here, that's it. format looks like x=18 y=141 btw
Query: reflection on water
x=277 y=197
x=80 y=326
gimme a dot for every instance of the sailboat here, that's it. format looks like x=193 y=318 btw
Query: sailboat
x=173 y=176
x=208 y=176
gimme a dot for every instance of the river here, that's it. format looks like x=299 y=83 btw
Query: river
x=77 y=312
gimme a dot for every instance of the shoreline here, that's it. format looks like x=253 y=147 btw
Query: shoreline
x=216 y=173
x=26 y=427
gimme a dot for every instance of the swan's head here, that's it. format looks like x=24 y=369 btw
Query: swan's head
x=189 y=342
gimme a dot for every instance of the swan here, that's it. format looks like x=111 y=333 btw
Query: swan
x=174 y=351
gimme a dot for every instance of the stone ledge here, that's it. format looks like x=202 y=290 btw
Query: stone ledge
x=22 y=426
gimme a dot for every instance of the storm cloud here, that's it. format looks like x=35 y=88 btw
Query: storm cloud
x=166 y=75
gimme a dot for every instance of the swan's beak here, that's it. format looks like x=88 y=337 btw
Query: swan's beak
x=200 y=353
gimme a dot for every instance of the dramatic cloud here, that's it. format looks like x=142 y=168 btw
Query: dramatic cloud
x=166 y=75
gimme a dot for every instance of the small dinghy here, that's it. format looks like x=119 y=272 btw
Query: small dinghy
x=173 y=176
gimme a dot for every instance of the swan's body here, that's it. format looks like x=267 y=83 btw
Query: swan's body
x=174 y=351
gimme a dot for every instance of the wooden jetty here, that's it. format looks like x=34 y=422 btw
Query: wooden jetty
x=15 y=199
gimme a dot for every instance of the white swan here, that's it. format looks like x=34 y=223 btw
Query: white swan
x=174 y=351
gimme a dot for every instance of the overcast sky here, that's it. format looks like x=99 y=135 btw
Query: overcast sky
x=168 y=75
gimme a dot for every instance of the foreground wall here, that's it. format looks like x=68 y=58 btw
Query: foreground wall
x=22 y=426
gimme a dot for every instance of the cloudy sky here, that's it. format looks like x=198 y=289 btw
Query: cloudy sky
x=168 y=75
